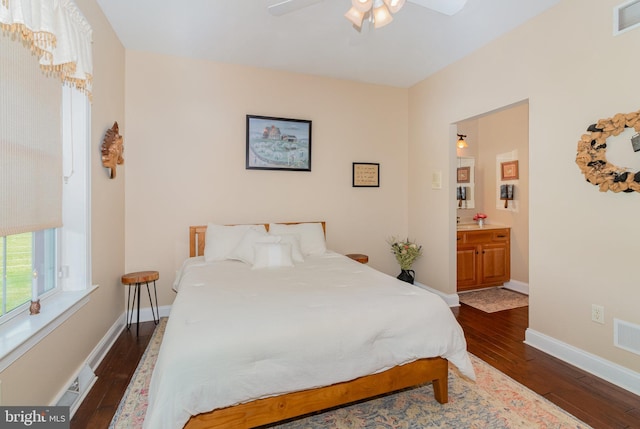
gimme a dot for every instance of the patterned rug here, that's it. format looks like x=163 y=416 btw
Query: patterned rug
x=493 y=401
x=494 y=299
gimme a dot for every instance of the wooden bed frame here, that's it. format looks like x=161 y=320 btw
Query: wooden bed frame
x=277 y=408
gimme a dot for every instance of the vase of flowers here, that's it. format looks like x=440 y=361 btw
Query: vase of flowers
x=480 y=217
x=406 y=252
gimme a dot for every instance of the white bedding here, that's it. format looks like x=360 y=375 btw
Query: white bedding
x=236 y=334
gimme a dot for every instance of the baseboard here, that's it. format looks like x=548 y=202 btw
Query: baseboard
x=517 y=286
x=607 y=370
x=452 y=300
x=146 y=315
x=105 y=344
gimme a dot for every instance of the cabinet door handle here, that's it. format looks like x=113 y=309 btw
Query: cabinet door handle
x=501 y=236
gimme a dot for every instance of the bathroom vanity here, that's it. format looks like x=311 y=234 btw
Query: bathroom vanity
x=483 y=256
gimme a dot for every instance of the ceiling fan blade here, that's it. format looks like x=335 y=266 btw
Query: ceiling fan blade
x=288 y=6
x=447 y=7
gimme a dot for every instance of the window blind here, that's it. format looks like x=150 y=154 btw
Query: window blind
x=30 y=142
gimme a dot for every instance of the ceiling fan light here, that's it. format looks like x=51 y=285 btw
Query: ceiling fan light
x=362 y=5
x=355 y=16
x=394 y=5
x=381 y=16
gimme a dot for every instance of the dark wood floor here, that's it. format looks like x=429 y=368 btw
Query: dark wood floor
x=114 y=373
x=496 y=338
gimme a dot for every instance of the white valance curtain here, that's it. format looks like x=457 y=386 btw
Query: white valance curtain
x=57 y=32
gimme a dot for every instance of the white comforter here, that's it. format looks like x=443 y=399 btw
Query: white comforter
x=237 y=334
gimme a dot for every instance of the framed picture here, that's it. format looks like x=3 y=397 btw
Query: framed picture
x=464 y=174
x=278 y=144
x=509 y=170
x=366 y=175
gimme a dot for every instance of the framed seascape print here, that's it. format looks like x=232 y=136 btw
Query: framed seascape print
x=464 y=174
x=278 y=144
x=509 y=170
x=366 y=175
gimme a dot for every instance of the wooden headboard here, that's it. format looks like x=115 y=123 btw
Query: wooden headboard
x=197 y=234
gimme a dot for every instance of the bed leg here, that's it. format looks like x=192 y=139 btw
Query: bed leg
x=441 y=390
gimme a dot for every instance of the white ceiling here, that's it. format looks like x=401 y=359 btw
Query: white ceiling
x=318 y=39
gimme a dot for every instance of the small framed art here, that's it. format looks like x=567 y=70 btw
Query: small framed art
x=366 y=175
x=278 y=144
x=509 y=170
x=464 y=174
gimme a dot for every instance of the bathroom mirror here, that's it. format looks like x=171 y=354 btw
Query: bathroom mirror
x=465 y=186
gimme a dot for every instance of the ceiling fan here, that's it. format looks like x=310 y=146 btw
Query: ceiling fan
x=368 y=8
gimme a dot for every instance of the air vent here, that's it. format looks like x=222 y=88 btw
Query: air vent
x=626 y=17
x=78 y=389
x=626 y=336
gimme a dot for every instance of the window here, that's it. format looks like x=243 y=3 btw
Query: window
x=30 y=181
x=60 y=256
x=74 y=250
x=65 y=252
x=20 y=255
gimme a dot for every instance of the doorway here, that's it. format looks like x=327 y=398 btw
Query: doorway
x=494 y=140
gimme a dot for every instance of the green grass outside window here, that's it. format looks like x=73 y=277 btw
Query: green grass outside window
x=16 y=270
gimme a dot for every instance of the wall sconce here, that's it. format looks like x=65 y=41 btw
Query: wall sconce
x=461 y=142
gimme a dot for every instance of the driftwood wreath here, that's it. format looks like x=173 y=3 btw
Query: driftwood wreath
x=592 y=158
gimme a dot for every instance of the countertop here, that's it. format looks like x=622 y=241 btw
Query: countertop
x=475 y=227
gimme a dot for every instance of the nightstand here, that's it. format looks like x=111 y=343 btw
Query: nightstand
x=136 y=280
x=363 y=259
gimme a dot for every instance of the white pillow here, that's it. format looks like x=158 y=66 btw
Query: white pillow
x=312 y=240
x=294 y=240
x=272 y=255
x=244 y=250
x=221 y=240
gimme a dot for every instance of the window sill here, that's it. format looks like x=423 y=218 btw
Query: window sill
x=21 y=333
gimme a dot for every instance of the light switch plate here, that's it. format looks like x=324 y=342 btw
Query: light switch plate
x=436 y=180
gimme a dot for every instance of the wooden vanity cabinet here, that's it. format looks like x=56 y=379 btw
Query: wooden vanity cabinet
x=484 y=258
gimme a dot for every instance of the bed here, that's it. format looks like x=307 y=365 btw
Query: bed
x=254 y=339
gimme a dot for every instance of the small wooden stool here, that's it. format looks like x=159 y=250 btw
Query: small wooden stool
x=136 y=279
x=363 y=259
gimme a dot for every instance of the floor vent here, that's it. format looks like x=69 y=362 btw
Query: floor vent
x=626 y=336
x=78 y=389
x=626 y=16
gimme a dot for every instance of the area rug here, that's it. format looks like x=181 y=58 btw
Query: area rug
x=494 y=299
x=493 y=401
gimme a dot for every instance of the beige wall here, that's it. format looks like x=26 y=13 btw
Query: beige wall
x=582 y=242
x=490 y=135
x=38 y=376
x=185 y=158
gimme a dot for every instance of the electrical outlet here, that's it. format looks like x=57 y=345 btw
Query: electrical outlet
x=597 y=313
